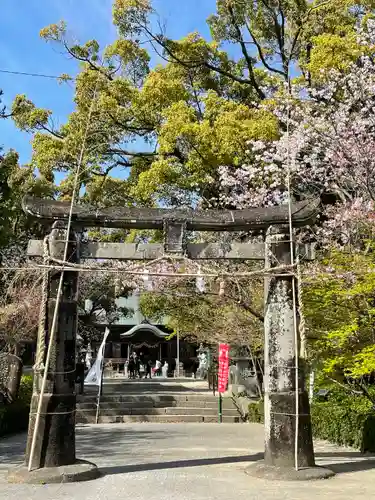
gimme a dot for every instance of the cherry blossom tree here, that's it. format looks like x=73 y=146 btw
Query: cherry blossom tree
x=326 y=147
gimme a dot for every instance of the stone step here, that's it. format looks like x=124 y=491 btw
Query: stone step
x=155 y=384
x=157 y=411
x=141 y=389
x=129 y=398
x=120 y=405
x=117 y=419
x=230 y=412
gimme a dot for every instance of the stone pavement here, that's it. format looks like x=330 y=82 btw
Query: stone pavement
x=187 y=462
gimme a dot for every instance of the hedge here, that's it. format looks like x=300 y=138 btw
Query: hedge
x=346 y=422
x=351 y=423
x=14 y=417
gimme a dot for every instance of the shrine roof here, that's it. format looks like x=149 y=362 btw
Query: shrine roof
x=145 y=327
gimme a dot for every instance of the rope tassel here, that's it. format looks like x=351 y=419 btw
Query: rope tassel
x=41 y=342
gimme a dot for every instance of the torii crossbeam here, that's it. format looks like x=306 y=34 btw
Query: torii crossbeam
x=303 y=213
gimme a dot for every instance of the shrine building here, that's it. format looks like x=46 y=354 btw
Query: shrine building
x=136 y=333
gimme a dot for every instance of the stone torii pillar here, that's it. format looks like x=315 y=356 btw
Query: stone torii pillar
x=53 y=453
x=282 y=426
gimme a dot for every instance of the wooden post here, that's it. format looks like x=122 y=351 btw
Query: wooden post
x=56 y=432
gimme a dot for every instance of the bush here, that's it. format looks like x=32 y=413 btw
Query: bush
x=350 y=422
x=26 y=389
x=14 y=417
x=256 y=412
x=343 y=420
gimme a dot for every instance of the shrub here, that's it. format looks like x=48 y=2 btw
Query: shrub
x=256 y=412
x=350 y=422
x=343 y=420
x=26 y=389
x=14 y=417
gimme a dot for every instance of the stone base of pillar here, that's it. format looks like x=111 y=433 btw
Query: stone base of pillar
x=280 y=430
x=78 y=472
x=271 y=472
x=55 y=443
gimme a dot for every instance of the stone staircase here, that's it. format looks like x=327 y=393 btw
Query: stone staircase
x=155 y=401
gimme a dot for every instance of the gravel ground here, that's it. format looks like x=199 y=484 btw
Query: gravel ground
x=187 y=462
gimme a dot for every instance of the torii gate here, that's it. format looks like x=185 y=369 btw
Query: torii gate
x=55 y=458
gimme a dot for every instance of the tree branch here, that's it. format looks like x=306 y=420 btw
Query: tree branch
x=106 y=172
x=245 y=53
x=300 y=28
x=241 y=303
x=261 y=55
x=282 y=17
x=88 y=61
x=200 y=112
x=347 y=388
x=132 y=128
x=194 y=64
x=49 y=130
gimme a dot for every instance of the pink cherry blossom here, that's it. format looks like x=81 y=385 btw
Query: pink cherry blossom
x=326 y=146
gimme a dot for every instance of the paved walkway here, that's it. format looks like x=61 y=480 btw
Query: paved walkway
x=187 y=462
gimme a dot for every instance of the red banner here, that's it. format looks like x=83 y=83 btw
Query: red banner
x=223 y=367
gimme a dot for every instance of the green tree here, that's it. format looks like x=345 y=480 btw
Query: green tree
x=340 y=311
x=170 y=127
x=223 y=313
x=97 y=302
x=15 y=182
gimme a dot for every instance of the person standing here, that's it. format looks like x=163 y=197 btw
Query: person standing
x=142 y=367
x=148 y=367
x=131 y=367
x=137 y=366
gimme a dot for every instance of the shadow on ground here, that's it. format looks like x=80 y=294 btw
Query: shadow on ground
x=12 y=449
x=109 y=442
x=116 y=440
x=179 y=464
x=352 y=461
x=124 y=444
x=337 y=467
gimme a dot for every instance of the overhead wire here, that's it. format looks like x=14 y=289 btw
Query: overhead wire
x=118 y=270
x=35 y=75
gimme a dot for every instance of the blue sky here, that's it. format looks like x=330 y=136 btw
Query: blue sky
x=21 y=49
